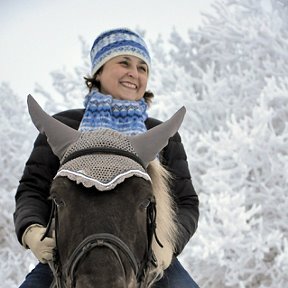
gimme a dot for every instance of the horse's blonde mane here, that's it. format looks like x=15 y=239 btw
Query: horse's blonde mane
x=166 y=219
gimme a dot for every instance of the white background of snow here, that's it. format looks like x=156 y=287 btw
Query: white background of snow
x=231 y=73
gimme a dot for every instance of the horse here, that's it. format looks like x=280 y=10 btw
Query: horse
x=114 y=216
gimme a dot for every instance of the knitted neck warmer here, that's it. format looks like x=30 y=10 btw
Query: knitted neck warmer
x=124 y=116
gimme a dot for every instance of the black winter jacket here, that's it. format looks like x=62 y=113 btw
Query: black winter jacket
x=33 y=191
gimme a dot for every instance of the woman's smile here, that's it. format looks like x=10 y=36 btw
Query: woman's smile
x=128 y=84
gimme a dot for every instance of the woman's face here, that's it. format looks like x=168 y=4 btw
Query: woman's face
x=124 y=77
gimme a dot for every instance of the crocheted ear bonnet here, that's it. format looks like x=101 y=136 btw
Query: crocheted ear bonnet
x=99 y=164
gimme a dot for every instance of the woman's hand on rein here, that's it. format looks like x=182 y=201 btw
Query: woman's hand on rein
x=42 y=249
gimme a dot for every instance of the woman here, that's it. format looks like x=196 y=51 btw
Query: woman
x=117 y=88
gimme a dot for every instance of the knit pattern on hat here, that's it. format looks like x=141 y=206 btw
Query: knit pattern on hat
x=103 y=111
x=117 y=42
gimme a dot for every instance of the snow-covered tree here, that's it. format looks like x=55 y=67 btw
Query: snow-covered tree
x=242 y=236
x=16 y=133
x=222 y=66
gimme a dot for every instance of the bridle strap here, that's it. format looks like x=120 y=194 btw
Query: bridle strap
x=149 y=257
x=99 y=240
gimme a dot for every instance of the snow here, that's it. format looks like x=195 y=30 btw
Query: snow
x=231 y=74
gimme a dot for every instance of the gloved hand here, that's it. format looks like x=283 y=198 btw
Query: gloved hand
x=43 y=250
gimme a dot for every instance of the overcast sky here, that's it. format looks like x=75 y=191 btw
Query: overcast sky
x=39 y=36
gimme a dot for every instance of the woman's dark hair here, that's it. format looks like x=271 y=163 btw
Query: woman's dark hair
x=91 y=83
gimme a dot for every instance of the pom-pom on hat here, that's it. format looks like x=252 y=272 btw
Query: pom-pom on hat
x=117 y=42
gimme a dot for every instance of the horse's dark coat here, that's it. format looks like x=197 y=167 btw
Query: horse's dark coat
x=86 y=211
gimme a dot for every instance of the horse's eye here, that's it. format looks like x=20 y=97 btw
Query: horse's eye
x=145 y=204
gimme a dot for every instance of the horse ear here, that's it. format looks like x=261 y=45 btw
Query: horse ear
x=147 y=145
x=59 y=135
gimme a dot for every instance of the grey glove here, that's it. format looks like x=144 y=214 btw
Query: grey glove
x=43 y=250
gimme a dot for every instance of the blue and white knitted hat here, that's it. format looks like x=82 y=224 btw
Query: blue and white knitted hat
x=117 y=42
